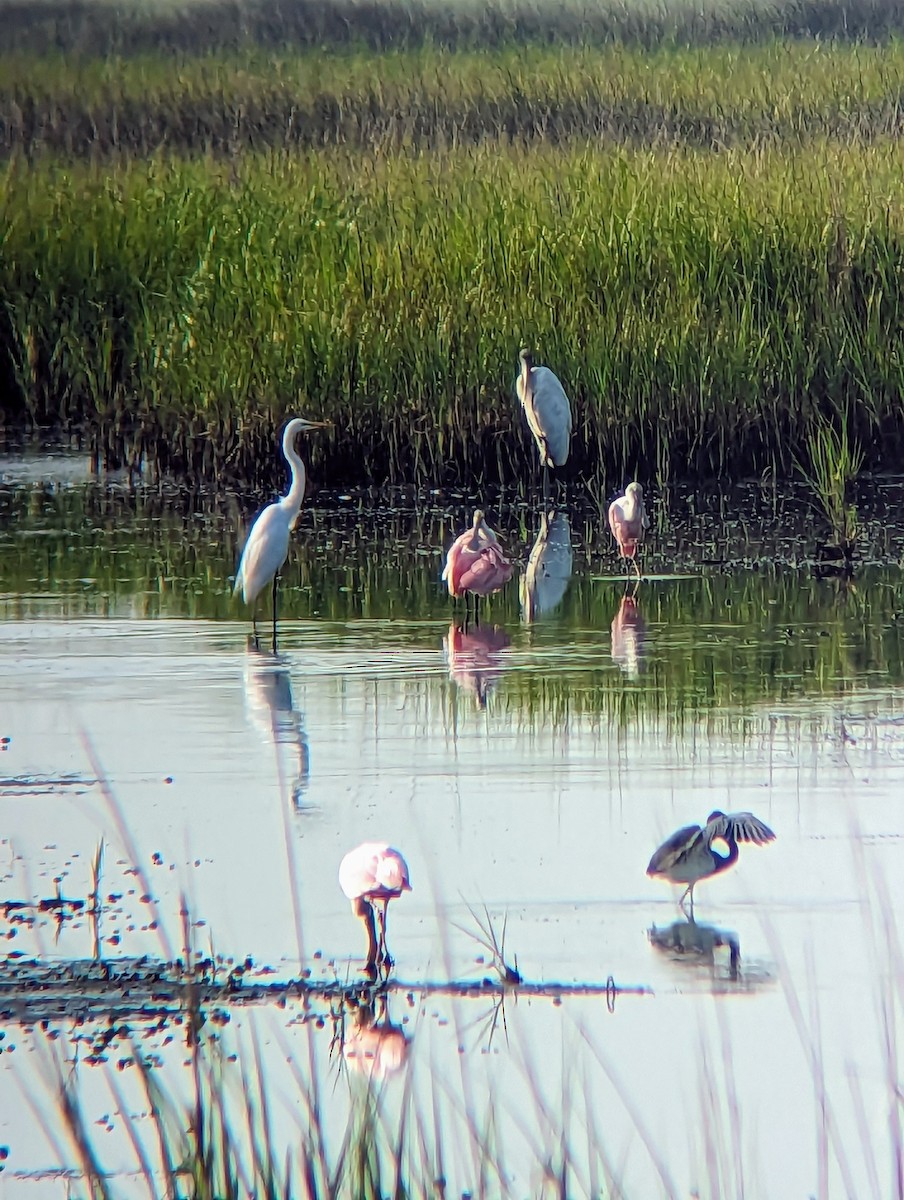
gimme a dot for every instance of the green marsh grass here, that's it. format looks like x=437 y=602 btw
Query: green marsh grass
x=200 y=25
x=707 y=312
x=834 y=465
x=782 y=92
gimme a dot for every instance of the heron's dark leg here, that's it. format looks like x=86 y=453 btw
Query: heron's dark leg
x=255 y=636
x=275 y=590
x=476 y=608
x=545 y=471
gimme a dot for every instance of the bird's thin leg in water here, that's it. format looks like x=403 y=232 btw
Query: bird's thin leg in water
x=254 y=633
x=636 y=568
x=275 y=590
x=476 y=609
x=385 y=957
x=545 y=473
x=364 y=909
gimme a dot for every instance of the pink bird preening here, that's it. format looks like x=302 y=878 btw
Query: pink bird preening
x=475 y=563
x=628 y=522
x=371 y=875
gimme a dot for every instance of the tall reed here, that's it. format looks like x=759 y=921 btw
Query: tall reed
x=704 y=311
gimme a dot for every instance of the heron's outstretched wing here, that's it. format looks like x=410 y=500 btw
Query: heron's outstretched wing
x=742 y=826
x=674 y=848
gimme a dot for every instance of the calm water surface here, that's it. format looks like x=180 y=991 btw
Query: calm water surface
x=527 y=767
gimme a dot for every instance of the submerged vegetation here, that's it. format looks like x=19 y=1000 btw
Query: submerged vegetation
x=703 y=238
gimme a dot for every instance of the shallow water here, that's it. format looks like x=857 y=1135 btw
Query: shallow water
x=528 y=768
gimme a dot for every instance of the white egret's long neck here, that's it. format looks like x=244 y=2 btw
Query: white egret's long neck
x=291 y=502
x=525 y=379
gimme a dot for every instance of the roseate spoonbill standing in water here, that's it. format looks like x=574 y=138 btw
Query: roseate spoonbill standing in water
x=267 y=546
x=548 y=413
x=687 y=856
x=628 y=522
x=475 y=563
x=371 y=875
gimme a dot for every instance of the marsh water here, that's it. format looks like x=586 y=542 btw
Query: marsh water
x=204 y=791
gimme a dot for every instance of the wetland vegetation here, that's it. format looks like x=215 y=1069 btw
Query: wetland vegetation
x=695 y=219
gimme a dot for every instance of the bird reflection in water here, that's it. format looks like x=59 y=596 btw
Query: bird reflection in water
x=473 y=655
x=689 y=942
x=271 y=709
x=545 y=581
x=372 y=1048
x=629 y=636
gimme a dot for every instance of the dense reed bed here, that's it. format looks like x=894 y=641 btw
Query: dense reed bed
x=726 y=95
x=103 y=27
x=705 y=311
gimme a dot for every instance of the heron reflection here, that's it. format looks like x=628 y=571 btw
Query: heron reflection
x=271 y=710
x=689 y=941
x=473 y=656
x=629 y=636
x=549 y=566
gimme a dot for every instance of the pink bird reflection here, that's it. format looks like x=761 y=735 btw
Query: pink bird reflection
x=473 y=656
x=373 y=1048
x=629 y=637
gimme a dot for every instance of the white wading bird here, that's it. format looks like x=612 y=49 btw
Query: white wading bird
x=267 y=547
x=548 y=413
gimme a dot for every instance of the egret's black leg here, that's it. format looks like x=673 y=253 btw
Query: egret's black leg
x=275 y=590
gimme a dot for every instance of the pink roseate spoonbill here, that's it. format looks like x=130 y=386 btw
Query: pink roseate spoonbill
x=548 y=413
x=475 y=563
x=267 y=547
x=628 y=522
x=688 y=855
x=371 y=875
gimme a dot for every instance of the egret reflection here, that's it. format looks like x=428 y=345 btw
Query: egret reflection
x=549 y=566
x=373 y=1047
x=473 y=654
x=271 y=710
x=629 y=637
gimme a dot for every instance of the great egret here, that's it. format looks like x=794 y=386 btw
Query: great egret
x=267 y=546
x=475 y=563
x=687 y=856
x=548 y=413
x=628 y=522
x=371 y=875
